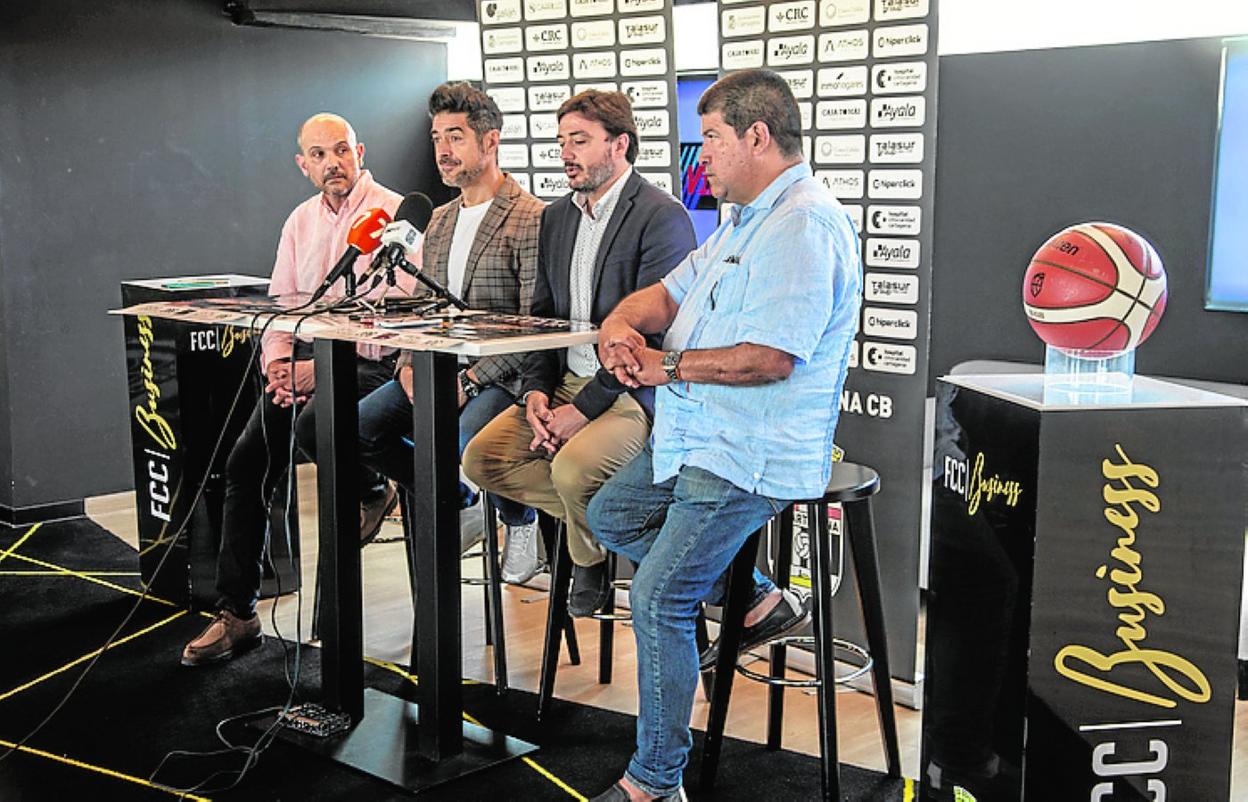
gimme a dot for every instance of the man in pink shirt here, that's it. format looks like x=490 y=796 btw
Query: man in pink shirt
x=313 y=239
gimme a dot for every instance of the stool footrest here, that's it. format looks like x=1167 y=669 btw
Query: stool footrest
x=814 y=682
x=611 y=616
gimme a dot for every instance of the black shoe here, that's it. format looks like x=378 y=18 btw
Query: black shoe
x=373 y=512
x=616 y=793
x=792 y=611
x=590 y=586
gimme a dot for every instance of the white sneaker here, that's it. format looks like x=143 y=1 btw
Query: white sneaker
x=471 y=526
x=520 y=559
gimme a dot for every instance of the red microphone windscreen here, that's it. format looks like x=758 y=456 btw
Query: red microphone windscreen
x=365 y=233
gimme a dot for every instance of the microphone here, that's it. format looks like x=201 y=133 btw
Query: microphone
x=410 y=221
x=362 y=238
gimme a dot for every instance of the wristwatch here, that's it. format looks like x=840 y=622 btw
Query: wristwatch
x=671 y=361
x=471 y=389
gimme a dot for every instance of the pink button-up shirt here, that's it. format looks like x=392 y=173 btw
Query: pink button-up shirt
x=313 y=238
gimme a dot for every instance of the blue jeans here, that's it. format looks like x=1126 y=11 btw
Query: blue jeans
x=386 y=446
x=683 y=534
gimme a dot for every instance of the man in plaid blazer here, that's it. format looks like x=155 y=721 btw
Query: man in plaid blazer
x=482 y=246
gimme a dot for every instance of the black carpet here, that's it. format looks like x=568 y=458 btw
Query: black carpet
x=138 y=704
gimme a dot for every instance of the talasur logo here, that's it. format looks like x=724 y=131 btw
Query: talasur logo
x=1037 y=285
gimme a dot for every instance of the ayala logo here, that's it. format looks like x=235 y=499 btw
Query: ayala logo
x=1037 y=285
x=902 y=111
x=788 y=51
x=652 y=122
x=891 y=253
x=552 y=184
x=543 y=68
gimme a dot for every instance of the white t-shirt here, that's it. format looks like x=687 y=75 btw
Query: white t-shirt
x=461 y=244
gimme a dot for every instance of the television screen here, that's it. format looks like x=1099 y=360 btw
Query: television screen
x=1227 y=287
x=703 y=209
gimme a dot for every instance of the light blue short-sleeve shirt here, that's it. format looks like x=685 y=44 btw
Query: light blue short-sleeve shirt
x=783 y=272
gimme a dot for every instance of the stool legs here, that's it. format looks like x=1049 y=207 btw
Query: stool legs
x=558 y=623
x=825 y=651
x=606 y=628
x=778 y=652
x=740 y=584
x=494 y=631
x=862 y=543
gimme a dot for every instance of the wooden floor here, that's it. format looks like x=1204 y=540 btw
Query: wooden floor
x=387 y=635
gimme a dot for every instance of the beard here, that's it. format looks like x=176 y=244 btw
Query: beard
x=466 y=176
x=593 y=176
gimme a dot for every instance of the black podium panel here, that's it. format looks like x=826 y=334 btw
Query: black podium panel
x=1083 y=619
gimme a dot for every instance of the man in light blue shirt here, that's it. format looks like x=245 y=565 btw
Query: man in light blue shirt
x=760 y=320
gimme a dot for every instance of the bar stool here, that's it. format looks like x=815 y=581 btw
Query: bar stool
x=852 y=486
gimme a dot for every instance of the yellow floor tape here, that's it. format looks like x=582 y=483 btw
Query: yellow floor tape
x=78 y=764
x=20 y=541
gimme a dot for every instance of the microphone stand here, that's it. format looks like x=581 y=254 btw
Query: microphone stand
x=446 y=296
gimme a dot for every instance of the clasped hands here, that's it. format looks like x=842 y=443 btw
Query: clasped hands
x=278 y=374
x=623 y=351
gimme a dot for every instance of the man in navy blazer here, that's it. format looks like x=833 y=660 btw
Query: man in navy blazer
x=613 y=234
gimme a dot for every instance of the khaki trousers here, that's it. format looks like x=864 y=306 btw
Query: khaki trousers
x=499 y=460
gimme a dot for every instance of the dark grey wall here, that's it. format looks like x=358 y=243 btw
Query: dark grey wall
x=1031 y=142
x=147 y=139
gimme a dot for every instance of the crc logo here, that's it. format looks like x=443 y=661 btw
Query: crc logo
x=547 y=155
x=792 y=16
x=548 y=37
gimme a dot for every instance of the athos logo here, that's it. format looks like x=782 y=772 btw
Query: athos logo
x=513 y=156
x=843 y=12
x=895 y=253
x=899 y=324
x=600 y=33
x=504 y=70
x=643 y=62
x=743 y=21
x=543 y=126
x=897 y=148
x=501 y=40
x=843 y=149
x=801 y=82
x=594 y=65
x=841 y=114
x=642 y=31
x=548 y=68
x=891 y=288
x=515 y=126
x=632 y=6
x=535 y=10
x=901 y=112
x=547 y=37
x=547 y=98
x=888 y=10
x=894 y=219
x=889 y=357
x=841 y=183
x=547 y=154
x=591 y=8
x=646 y=93
x=906 y=184
x=651 y=123
x=500 y=12
x=790 y=50
x=654 y=154
x=742 y=55
x=791 y=16
x=550 y=184
x=901 y=40
x=510 y=98
x=843 y=81
x=843 y=46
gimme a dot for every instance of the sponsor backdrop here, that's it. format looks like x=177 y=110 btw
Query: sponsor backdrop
x=1080 y=634
x=538 y=53
x=864 y=73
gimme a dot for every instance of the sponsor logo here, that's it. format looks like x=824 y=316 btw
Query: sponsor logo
x=523 y=180
x=651 y=123
x=504 y=70
x=591 y=8
x=843 y=12
x=548 y=98
x=891 y=288
x=147 y=415
x=901 y=40
x=898 y=253
x=661 y=180
x=535 y=10
x=548 y=68
x=841 y=183
x=900 y=324
x=600 y=33
x=844 y=46
x=855 y=214
x=543 y=126
x=902 y=184
x=802 y=82
x=500 y=12
x=633 y=6
x=654 y=154
x=515 y=126
x=872 y=405
x=894 y=219
x=853 y=359
x=512 y=157
x=898 y=112
x=547 y=37
x=900 y=78
x=547 y=154
x=977 y=486
x=841 y=114
x=601 y=86
x=501 y=40
x=888 y=10
x=888 y=357
x=646 y=93
x=550 y=185
x=1037 y=285
x=509 y=98
x=836 y=81
x=743 y=22
x=742 y=55
x=642 y=30
x=791 y=16
x=806 y=111
x=643 y=62
x=897 y=148
x=594 y=65
x=790 y=50
x=843 y=149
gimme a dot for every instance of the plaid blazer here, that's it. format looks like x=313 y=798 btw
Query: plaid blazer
x=501 y=269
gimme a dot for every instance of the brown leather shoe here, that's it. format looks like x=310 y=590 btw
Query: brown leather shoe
x=227 y=636
x=374 y=511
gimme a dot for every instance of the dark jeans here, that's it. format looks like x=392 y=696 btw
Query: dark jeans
x=385 y=439
x=257 y=463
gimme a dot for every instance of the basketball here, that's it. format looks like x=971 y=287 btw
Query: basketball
x=1095 y=288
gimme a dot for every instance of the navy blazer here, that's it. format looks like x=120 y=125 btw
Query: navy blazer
x=649 y=233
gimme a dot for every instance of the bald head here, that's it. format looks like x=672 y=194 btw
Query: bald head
x=330 y=156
